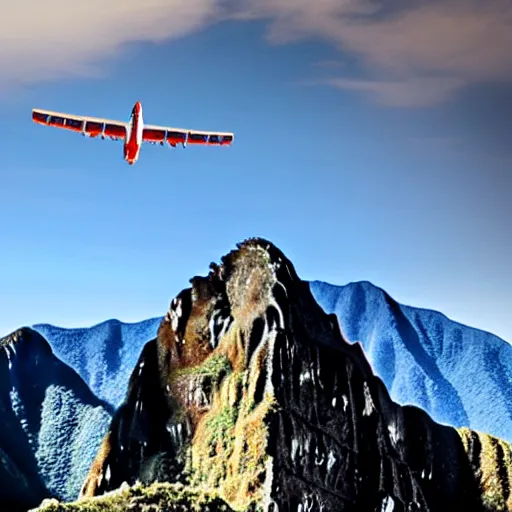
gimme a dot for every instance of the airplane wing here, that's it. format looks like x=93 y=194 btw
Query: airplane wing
x=173 y=136
x=90 y=126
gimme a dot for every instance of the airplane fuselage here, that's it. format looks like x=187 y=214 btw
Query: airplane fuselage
x=134 y=131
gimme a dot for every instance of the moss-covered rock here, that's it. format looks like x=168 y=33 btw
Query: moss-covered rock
x=229 y=448
x=158 y=497
x=491 y=459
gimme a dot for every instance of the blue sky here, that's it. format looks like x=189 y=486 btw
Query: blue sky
x=367 y=148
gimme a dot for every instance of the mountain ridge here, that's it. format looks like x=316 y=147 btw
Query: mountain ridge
x=314 y=282
x=432 y=374
x=420 y=309
x=104 y=356
x=415 y=351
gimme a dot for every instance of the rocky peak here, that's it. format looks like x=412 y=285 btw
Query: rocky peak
x=251 y=390
x=26 y=340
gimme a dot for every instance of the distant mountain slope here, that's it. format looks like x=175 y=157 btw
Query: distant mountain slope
x=103 y=355
x=461 y=376
x=51 y=424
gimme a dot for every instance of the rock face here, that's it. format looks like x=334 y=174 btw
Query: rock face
x=250 y=389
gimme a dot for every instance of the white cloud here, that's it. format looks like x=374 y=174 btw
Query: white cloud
x=41 y=40
x=414 y=54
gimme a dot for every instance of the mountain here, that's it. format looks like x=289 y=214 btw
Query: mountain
x=51 y=423
x=103 y=355
x=251 y=391
x=459 y=375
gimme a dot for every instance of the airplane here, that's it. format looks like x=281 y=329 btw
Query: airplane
x=133 y=133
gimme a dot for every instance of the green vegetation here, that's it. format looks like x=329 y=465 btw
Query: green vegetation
x=213 y=366
x=229 y=451
x=220 y=427
x=156 y=497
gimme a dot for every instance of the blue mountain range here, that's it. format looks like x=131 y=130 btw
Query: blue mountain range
x=460 y=375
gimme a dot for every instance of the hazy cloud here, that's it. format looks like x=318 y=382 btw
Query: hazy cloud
x=410 y=53
x=410 y=92
x=41 y=40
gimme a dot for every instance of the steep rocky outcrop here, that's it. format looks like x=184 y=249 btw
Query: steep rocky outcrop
x=251 y=390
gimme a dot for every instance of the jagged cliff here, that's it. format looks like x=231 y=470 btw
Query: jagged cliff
x=250 y=391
